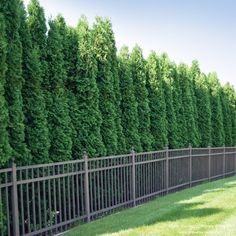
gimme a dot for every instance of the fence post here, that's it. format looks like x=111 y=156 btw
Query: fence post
x=15 y=209
x=190 y=165
x=224 y=170
x=133 y=177
x=167 y=169
x=209 y=162
x=86 y=181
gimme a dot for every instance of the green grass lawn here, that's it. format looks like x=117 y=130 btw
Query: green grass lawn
x=207 y=209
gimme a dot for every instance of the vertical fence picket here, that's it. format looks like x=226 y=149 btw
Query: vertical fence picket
x=190 y=165
x=224 y=160
x=167 y=169
x=209 y=162
x=15 y=212
x=235 y=159
x=133 y=178
x=86 y=181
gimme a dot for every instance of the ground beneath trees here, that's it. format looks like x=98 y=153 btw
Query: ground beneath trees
x=207 y=209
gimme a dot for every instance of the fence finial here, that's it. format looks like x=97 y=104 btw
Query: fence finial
x=132 y=149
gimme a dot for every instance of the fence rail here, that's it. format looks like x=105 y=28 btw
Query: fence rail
x=47 y=199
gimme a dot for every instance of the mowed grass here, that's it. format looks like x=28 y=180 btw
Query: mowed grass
x=207 y=209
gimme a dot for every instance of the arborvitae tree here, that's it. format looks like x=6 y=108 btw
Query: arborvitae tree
x=14 y=81
x=204 y=110
x=121 y=145
x=128 y=102
x=38 y=30
x=36 y=130
x=170 y=112
x=230 y=109
x=194 y=74
x=37 y=26
x=188 y=106
x=70 y=60
x=178 y=107
x=216 y=111
x=102 y=48
x=157 y=103
x=57 y=106
x=87 y=117
x=227 y=121
x=141 y=95
x=230 y=95
x=5 y=149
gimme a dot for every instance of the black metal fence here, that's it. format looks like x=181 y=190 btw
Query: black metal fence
x=47 y=199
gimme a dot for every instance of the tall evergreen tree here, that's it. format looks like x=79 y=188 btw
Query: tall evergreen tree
x=102 y=48
x=70 y=60
x=37 y=26
x=204 y=110
x=170 y=112
x=38 y=29
x=128 y=102
x=230 y=97
x=14 y=81
x=87 y=117
x=36 y=130
x=216 y=111
x=188 y=106
x=141 y=95
x=5 y=149
x=178 y=107
x=121 y=145
x=157 y=103
x=195 y=72
x=227 y=119
x=57 y=100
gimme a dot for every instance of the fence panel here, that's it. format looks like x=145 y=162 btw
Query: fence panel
x=110 y=183
x=5 y=202
x=217 y=160
x=48 y=199
x=150 y=174
x=179 y=171
x=200 y=164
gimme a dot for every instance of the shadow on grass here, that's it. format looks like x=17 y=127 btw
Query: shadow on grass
x=172 y=207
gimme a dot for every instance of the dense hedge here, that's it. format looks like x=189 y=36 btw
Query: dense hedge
x=65 y=90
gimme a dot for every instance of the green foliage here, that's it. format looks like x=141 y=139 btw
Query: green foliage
x=37 y=25
x=216 y=111
x=194 y=74
x=36 y=130
x=204 y=110
x=121 y=145
x=227 y=119
x=102 y=47
x=191 y=135
x=141 y=95
x=128 y=103
x=87 y=116
x=166 y=70
x=230 y=98
x=178 y=107
x=38 y=29
x=157 y=102
x=65 y=91
x=5 y=149
x=57 y=98
x=14 y=81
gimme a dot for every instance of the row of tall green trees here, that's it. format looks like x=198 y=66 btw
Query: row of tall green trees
x=65 y=90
